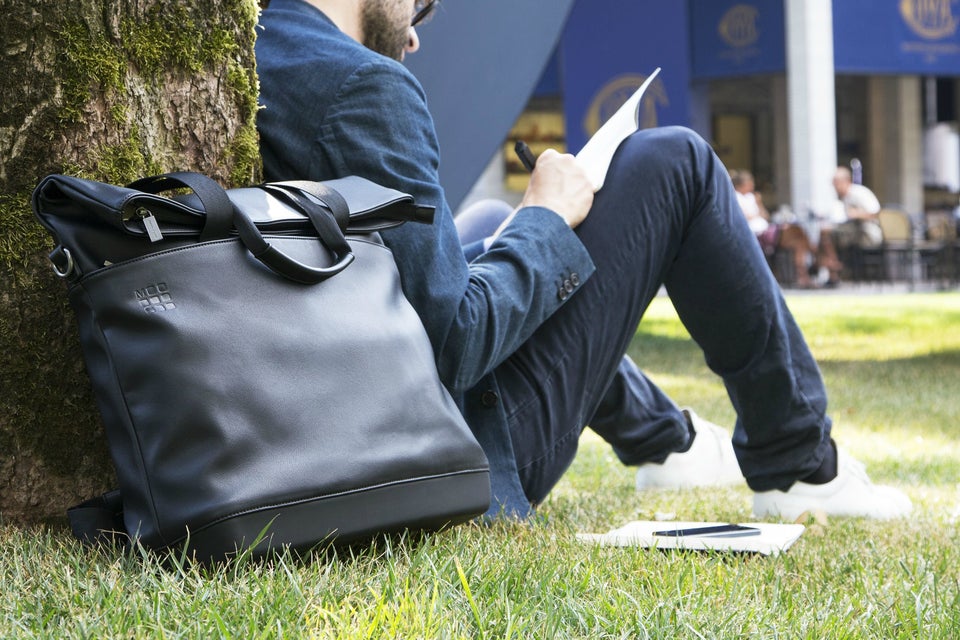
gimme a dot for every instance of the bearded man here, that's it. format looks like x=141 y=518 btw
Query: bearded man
x=529 y=331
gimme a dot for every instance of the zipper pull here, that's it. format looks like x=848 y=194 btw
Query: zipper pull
x=150 y=224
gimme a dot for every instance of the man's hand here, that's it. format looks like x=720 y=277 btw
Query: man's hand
x=559 y=184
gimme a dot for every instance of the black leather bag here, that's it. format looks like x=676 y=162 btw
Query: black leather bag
x=256 y=365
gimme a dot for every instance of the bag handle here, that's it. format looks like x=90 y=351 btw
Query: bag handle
x=222 y=216
x=216 y=203
x=328 y=196
x=331 y=231
x=330 y=236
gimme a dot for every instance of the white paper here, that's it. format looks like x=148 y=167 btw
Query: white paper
x=773 y=539
x=595 y=156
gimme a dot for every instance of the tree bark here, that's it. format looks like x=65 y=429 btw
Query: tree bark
x=113 y=91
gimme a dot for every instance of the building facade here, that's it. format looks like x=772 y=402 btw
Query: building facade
x=788 y=89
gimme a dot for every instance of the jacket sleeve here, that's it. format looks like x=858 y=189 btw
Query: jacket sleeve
x=475 y=314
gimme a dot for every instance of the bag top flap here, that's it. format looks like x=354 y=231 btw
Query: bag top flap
x=68 y=196
x=372 y=207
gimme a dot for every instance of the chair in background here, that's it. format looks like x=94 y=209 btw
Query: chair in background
x=939 y=251
x=898 y=257
x=862 y=263
x=781 y=263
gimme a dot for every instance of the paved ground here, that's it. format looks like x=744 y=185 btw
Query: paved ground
x=874 y=288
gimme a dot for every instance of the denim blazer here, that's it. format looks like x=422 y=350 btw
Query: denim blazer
x=330 y=107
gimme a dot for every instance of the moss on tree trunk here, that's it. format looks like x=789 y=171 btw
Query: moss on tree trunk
x=110 y=91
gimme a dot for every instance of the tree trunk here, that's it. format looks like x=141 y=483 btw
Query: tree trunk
x=113 y=91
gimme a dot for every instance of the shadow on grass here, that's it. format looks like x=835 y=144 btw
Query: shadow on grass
x=919 y=393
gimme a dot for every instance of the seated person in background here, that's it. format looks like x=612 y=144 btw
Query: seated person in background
x=858 y=224
x=773 y=236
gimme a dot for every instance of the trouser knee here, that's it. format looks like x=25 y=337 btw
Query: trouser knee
x=674 y=153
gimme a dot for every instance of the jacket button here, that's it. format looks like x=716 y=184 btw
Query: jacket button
x=575 y=279
x=568 y=286
x=489 y=399
x=563 y=294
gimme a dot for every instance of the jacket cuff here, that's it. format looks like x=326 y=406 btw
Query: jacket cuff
x=558 y=249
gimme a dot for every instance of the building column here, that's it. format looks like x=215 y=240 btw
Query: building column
x=812 y=104
x=781 y=138
x=895 y=117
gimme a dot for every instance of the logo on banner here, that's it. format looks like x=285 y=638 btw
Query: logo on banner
x=738 y=26
x=930 y=19
x=934 y=25
x=612 y=96
x=739 y=29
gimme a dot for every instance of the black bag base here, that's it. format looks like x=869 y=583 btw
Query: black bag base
x=424 y=504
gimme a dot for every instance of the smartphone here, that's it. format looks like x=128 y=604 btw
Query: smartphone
x=712 y=531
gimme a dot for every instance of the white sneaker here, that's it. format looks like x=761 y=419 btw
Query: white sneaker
x=709 y=462
x=849 y=494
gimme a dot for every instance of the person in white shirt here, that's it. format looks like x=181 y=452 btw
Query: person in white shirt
x=859 y=225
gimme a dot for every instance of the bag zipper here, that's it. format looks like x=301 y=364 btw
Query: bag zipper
x=150 y=224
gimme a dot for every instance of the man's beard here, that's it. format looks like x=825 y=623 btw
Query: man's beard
x=383 y=32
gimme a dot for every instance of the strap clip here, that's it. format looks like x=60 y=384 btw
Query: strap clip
x=62 y=261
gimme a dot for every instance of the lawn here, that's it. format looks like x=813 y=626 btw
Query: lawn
x=891 y=363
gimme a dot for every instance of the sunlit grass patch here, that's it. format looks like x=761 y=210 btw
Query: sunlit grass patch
x=891 y=364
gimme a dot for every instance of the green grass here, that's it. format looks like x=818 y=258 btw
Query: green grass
x=891 y=364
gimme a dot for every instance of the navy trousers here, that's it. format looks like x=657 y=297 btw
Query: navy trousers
x=667 y=215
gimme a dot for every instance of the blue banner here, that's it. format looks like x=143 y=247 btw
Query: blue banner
x=897 y=36
x=607 y=50
x=731 y=38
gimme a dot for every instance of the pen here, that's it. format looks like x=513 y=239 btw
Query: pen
x=711 y=531
x=526 y=156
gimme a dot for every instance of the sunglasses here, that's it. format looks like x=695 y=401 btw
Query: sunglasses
x=422 y=11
